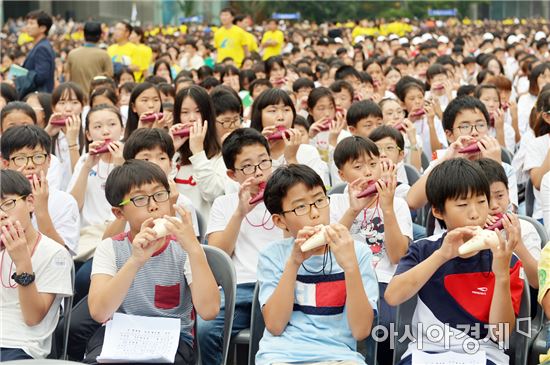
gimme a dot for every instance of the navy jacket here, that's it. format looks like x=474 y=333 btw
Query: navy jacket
x=41 y=60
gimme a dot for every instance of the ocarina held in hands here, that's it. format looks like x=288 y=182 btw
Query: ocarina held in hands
x=317 y=240
x=325 y=126
x=418 y=113
x=150 y=118
x=260 y=196
x=498 y=223
x=160 y=227
x=278 y=134
x=481 y=241
x=368 y=191
x=400 y=127
x=104 y=148
x=471 y=148
x=183 y=132
x=60 y=122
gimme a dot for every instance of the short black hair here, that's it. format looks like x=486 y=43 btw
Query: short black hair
x=458 y=105
x=269 y=97
x=465 y=90
x=131 y=174
x=236 y=140
x=345 y=71
x=22 y=136
x=454 y=179
x=226 y=100
x=17 y=106
x=362 y=109
x=493 y=171
x=435 y=69
x=339 y=85
x=285 y=178
x=14 y=183
x=42 y=18
x=301 y=83
x=209 y=82
x=386 y=131
x=92 y=31
x=259 y=82
x=352 y=148
x=407 y=83
x=9 y=93
x=301 y=121
x=148 y=139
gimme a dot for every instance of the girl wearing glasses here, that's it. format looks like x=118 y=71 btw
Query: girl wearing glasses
x=394 y=116
x=201 y=173
x=274 y=109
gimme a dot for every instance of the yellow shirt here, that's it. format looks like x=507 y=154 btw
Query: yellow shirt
x=143 y=56
x=359 y=30
x=230 y=43
x=251 y=42
x=124 y=54
x=276 y=36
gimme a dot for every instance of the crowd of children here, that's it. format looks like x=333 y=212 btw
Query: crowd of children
x=448 y=129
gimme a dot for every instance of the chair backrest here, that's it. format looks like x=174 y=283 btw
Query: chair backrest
x=506 y=156
x=257 y=326
x=403 y=318
x=67 y=312
x=424 y=160
x=202 y=226
x=529 y=198
x=412 y=173
x=224 y=273
x=520 y=338
x=337 y=189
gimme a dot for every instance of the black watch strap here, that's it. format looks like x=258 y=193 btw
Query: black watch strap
x=23 y=279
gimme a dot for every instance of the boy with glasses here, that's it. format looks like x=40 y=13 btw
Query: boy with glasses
x=466 y=122
x=26 y=149
x=316 y=304
x=35 y=272
x=141 y=273
x=241 y=228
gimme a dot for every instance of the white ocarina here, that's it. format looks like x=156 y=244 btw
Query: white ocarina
x=160 y=227
x=480 y=241
x=317 y=240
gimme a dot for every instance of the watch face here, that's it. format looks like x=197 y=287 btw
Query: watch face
x=23 y=279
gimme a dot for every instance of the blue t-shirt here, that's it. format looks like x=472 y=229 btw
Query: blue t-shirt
x=318 y=329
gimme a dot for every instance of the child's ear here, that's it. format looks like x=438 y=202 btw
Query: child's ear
x=119 y=214
x=341 y=175
x=5 y=163
x=437 y=213
x=30 y=202
x=352 y=129
x=279 y=221
x=231 y=175
x=450 y=135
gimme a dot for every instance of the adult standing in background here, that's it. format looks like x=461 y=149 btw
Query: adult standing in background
x=88 y=61
x=272 y=41
x=230 y=40
x=122 y=52
x=40 y=61
x=143 y=56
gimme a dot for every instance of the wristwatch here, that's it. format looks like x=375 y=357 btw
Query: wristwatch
x=23 y=279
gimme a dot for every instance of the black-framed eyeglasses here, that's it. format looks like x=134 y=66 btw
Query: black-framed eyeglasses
x=304 y=209
x=10 y=203
x=143 y=200
x=468 y=128
x=228 y=123
x=251 y=169
x=37 y=159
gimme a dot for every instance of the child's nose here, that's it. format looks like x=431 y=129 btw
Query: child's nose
x=314 y=212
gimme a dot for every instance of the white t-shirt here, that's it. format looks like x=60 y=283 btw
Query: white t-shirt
x=65 y=217
x=535 y=154
x=202 y=181
x=52 y=266
x=63 y=153
x=55 y=172
x=96 y=209
x=545 y=199
x=424 y=131
x=368 y=227
x=509 y=136
x=526 y=102
x=256 y=232
x=307 y=155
